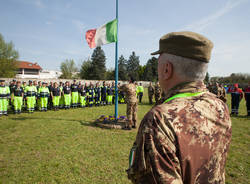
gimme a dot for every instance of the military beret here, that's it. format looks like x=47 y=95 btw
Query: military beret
x=2 y=80
x=186 y=44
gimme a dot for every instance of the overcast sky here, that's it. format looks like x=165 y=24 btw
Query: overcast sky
x=50 y=31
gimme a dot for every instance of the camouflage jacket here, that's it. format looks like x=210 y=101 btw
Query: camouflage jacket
x=130 y=92
x=185 y=140
x=151 y=90
x=157 y=90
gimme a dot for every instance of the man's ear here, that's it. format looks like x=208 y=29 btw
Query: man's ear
x=168 y=70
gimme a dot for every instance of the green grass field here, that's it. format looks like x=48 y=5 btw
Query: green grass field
x=65 y=147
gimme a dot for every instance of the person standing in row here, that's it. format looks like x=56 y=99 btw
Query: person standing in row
x=109 y=94
x=151 y=92
x=61 y=101
x=97 y=90
x=67 y=95
x=74 y=94
x=56 y=95
x=43 y=95
x=38 y=101
x=12 y=86
x=79 y=89
x=236 y=96
x=140 y=92
x=4 y=96
x=83 y=95
x=104 y=93
x=18 y=95
x=31 y=95
x=247 y=97
x=90 y=95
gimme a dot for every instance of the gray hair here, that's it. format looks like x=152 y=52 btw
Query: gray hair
x=186 y=68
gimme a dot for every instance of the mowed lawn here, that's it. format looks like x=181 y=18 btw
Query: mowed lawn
x=66 y=147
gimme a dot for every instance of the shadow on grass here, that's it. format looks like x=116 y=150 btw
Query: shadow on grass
x=84 y=123
x=89 y=124
x=242 y=116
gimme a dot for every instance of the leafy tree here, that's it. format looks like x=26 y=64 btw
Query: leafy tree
x=85 y=69
x=133 y=66
x=68 y=68
x=122 y=67
x=8 y=57
x=141 y=72
x=110 y=74
x=151 y=70
x=98 y=68
x=206 y=80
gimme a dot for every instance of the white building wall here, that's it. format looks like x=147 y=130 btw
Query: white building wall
x=44 y=74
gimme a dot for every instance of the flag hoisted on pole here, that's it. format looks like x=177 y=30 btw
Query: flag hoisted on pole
x=105 y=34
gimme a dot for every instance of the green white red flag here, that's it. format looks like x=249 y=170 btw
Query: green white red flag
x=102 y=35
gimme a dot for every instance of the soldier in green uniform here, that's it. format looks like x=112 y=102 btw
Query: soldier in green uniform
x=18 y=94
x=186 y=138
x=151 y=92
x=31 y=95
x=132 y=104
x=158 y=93
x=4 y=96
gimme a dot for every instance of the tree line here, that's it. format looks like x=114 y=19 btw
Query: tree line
x=94 y=68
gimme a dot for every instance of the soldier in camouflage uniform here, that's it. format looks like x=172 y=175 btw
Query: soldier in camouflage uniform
x=222 y=93
x=157 y=93
x=132 y=104
x=185 y=139
x=151 y=92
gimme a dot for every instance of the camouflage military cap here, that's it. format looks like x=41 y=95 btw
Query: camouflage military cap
x=186 y=44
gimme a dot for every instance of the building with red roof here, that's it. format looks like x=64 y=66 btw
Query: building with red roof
x=28 y=70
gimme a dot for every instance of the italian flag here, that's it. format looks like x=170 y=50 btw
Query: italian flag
x=102 y=35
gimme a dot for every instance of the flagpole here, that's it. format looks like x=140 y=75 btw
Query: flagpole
x=116 y=67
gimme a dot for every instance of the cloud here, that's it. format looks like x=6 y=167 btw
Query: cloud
x=39 y=4
x=230 y=57
x=79 y=25
x=48 y=22
x=36 y=3
x=200 y=25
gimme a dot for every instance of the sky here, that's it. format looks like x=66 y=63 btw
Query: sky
x=50 y=31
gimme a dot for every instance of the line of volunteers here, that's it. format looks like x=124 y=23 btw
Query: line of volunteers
x=43 y=96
